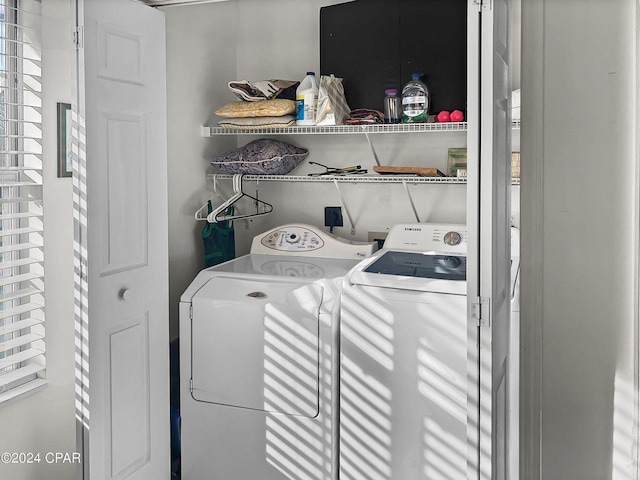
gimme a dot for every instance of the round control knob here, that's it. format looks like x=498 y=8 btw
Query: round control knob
x=293 y=238
x=452 y=239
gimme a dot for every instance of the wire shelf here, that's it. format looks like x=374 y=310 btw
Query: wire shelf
x=351 y=178
x=210 y=131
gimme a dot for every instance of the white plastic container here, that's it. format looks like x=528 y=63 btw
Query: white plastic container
x=307 y=100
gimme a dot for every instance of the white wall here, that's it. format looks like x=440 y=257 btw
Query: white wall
x=209 y=45
x=201 y=58
x=45 y=420
x=579 y=182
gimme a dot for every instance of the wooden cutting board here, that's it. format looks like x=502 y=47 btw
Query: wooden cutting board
x=420 y=171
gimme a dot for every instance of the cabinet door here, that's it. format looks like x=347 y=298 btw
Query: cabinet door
x=489 y=231
x=121 y=228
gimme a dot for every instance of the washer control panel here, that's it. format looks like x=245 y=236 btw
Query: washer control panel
x=292 y=239
x=428 y=237
x=306 y=240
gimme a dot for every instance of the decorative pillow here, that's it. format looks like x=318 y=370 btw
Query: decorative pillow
x=261 y=157
x=258 y=122
x=265 y=108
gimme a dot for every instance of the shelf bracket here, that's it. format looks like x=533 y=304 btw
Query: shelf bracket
x=413 y=205
x=373 y=150
x=344 y=204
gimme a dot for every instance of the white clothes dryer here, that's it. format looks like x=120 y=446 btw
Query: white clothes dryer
x=403 y=362
x=258 y=356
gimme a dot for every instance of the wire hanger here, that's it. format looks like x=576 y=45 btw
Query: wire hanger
x=218 y=215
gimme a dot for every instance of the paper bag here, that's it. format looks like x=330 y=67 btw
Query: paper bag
x=332 y=104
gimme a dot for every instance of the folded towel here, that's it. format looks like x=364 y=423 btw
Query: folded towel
x=364 y=116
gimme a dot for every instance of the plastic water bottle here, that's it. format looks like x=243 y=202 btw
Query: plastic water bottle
x=415 y=101
x=307 y=100
x=391 y=106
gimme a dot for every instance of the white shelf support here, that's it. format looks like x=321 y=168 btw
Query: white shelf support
x=346 y=209
x=413 y=205
x=373 y=150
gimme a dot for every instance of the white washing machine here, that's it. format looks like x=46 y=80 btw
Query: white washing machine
x=258 y=356
x=403 y=362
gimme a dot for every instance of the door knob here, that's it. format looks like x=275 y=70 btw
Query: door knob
x=126 y=294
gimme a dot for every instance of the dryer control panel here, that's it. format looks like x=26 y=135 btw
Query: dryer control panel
x=307 y=240
x=292 y=239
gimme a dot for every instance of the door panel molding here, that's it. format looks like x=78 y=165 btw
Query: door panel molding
x=129 y=406
x=125 y=215
x=121 y=55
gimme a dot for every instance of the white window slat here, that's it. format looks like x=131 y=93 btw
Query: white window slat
x=19 y=295
x=22 y=389
x=16 y=216
x=22 y=262
x=17 y=42
x=20 y=325
x=20 y=373
x=16 y=200
x=26 y=183
x=26 y=56
x=18 y=247
x=19 y=152
x=18 y=8
x=14 y=279
x=19 y=341
x=20 y=231
x=18 y=358
x=20 y=310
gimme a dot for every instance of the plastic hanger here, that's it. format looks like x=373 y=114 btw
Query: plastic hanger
x=216 y=198
x=218 y=215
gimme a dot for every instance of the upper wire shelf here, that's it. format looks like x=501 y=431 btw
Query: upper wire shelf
x=210 y=131
x=340 y=129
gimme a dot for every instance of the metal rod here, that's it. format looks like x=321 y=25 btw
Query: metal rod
x=346 y=210
x=176 y=3
x=373 y=150
x=413 y=205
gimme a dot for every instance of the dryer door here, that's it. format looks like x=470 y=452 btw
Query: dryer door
x=255 y=345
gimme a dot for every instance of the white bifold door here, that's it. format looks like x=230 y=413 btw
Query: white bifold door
x=120 y=189
x=488 y=217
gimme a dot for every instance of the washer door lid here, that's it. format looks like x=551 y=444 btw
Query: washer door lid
x=255 y=345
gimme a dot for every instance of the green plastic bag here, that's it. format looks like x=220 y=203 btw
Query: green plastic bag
x=219 y=240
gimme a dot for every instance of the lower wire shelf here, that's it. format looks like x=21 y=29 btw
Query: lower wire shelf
x=351 y=178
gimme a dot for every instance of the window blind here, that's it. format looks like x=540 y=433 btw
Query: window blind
x=22 y=334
